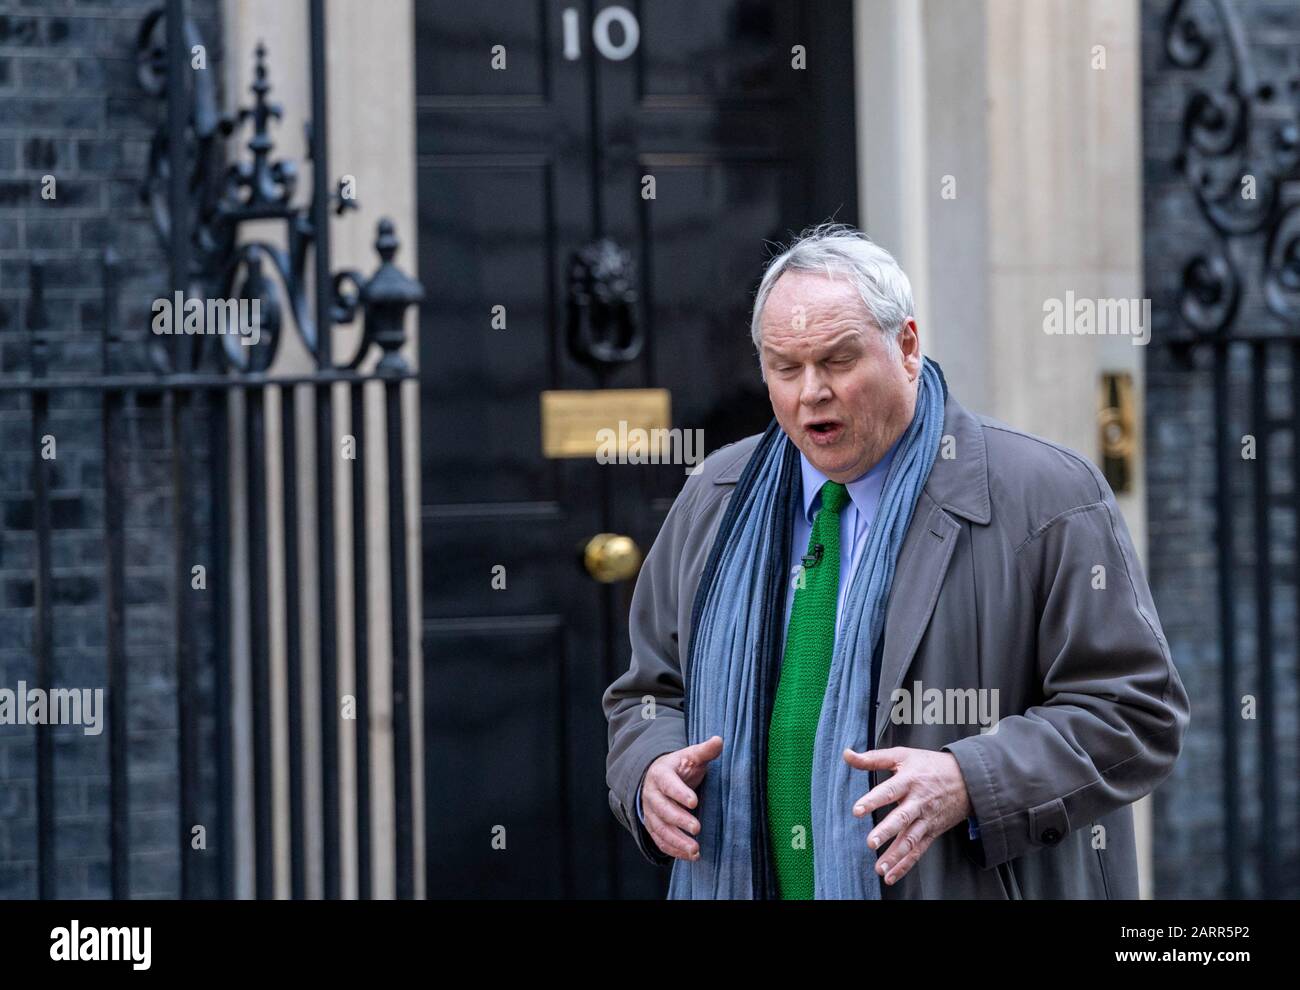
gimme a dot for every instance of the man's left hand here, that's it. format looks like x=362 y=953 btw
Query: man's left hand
x=928 y=788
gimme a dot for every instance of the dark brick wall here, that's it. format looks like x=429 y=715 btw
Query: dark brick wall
x=1182 y=428
x=70 y=106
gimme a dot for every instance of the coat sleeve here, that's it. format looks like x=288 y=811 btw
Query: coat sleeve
x=1113 y=712
x=644 y=707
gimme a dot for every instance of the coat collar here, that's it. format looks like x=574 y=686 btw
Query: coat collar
x=958 y=483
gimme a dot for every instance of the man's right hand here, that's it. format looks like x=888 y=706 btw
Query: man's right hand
x=668 y=790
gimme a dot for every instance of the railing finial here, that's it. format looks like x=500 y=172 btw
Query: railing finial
x=386 y=297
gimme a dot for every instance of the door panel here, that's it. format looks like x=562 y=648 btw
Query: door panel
x=490 y=230
x=476 y=729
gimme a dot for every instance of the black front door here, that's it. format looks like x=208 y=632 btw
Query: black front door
x=684 y=134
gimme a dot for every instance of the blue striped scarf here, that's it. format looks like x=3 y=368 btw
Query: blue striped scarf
x=734 y=663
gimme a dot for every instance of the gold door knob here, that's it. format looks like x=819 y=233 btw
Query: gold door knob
x=611 y=557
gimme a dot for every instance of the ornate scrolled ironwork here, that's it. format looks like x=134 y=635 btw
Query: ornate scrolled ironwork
x=1211 y=291
x=247 y=279
x=1238 y=136
x=256 y=187
x=1282 y=267
x=205 y=127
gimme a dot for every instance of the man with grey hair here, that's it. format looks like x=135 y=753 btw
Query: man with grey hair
x=821 y=593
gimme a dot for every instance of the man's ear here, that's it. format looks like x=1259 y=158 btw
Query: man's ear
x=909 y=345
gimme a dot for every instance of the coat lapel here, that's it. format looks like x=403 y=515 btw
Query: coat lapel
x=922 y=564
x=957 y=486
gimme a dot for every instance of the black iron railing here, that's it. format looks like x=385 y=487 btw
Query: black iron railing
x=1240 y=158
x=201 y=202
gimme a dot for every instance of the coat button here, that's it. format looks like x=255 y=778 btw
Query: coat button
x=1050 y=836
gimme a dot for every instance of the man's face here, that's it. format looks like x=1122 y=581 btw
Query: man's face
x=839 y=391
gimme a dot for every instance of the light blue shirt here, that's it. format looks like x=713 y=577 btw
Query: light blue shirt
x=855 y=523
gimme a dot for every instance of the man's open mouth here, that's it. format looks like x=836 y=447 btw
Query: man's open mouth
x=825 y=430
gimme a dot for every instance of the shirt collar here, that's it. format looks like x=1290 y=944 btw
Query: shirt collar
x=864 y=491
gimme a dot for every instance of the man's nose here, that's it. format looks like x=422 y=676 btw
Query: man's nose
x=814 y=388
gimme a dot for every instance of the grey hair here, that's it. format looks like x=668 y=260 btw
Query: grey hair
x=837 y=249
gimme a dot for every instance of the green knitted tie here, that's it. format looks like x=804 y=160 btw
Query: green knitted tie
x=809 y=642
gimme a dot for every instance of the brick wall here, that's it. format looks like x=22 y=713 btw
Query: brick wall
x=1182 y=429
x=71 y=107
